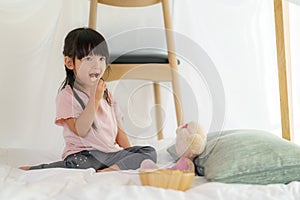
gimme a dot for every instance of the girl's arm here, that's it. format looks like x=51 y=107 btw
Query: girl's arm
x=122 y=138
x=81 y=125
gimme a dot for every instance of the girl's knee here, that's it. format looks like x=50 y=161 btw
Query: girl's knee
x=150 y=152
x=78 y=161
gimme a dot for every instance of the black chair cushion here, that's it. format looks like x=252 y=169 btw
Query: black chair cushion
x=140 y=59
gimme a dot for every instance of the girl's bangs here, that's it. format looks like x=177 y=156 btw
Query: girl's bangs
x=91 y=46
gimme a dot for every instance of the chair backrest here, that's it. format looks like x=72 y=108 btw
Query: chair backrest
x=129 y=3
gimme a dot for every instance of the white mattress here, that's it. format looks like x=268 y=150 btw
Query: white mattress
x=86 y=184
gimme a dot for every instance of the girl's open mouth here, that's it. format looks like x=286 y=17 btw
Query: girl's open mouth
x=94 y=76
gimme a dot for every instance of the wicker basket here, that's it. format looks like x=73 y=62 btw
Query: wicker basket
x=168 y=179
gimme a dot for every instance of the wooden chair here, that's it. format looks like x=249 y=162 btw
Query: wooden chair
x=147 y=67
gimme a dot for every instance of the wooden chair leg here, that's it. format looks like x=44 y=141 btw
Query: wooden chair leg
x=172 y=60
x=159 y=119
x=283 y=71
x=93 y=14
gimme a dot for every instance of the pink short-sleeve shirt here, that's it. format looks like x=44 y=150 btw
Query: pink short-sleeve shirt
x=102 y=138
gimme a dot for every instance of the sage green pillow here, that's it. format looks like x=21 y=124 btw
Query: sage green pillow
x=250 y=157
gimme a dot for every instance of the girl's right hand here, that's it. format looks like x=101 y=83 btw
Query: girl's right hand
x=100 y=87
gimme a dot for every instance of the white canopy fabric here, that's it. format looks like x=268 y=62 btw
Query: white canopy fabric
x=237 y=36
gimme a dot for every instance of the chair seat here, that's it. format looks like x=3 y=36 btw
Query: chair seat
x=129 y=3
x=140 y=59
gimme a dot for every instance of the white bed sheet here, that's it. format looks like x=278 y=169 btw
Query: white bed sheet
x=78 y=184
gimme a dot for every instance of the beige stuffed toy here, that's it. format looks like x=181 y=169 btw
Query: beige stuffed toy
x=190 y=142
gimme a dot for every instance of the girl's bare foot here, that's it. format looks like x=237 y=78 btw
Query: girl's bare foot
x=109 y=169
x=148 y=164
x=25 y=168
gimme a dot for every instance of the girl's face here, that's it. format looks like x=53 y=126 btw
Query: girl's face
x=90 y=69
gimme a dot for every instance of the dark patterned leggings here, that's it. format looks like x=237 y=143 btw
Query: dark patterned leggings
x=129 y=158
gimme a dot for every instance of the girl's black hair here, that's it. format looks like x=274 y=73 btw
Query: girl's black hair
x=79 y=43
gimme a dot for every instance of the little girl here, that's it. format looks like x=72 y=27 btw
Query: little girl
x=87 y=111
